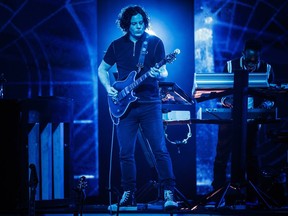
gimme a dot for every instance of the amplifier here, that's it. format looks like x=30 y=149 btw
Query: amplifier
x=177 y=115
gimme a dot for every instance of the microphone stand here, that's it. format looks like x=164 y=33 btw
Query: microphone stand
x=238 y=160
x=33 y=182
x=239 y=115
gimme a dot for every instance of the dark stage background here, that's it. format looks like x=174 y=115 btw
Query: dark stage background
x=51 y=50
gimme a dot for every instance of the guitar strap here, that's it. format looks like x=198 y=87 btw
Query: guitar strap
x=143 y=53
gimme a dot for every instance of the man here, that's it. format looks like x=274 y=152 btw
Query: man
x=251 y=62
x=146 y=111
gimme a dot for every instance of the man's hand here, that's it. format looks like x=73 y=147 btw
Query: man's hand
x=267 y=104
x=158 y=73
x=111 y=91
x=227 y=102
x=154 y=72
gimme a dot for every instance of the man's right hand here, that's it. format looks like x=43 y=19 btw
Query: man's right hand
x=227 y=102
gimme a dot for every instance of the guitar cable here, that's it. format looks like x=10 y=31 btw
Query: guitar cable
x=110 y=169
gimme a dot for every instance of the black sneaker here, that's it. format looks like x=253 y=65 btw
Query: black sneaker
x=127 y=203
x=169 y=204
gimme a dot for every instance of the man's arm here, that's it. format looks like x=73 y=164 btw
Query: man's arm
x=227 y=101
x=103 y=74
x=268 y=103
x=270 y=74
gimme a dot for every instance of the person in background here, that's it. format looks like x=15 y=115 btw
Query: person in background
x=146 y=112
x=250 y=61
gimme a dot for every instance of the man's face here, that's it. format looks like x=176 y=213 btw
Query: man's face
x=251 y=59
x=137 y=26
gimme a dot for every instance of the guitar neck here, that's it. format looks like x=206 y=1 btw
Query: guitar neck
x=137 y=82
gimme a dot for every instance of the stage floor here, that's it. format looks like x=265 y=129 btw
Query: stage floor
x=147 y=209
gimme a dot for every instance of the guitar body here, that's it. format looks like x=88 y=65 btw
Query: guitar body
x=118 y=106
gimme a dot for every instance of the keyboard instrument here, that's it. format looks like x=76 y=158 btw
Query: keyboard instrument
x=214 y=85
x=226 y=114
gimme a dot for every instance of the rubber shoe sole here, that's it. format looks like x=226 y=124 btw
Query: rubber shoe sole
x=170 y=205
x=113 y=208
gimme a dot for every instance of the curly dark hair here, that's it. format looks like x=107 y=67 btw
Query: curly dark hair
x=124 y=17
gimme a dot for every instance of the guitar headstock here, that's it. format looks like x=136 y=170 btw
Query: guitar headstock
x=82 y=183
x=172 y=56
x=168 y=59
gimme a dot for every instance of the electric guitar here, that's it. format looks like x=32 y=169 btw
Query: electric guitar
x=120 y=103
